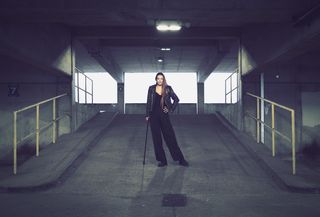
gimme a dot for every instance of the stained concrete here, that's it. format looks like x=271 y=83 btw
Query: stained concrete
x=56 y=159
x=223 y=178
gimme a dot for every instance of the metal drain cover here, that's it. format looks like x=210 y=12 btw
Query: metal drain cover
x=174 y=200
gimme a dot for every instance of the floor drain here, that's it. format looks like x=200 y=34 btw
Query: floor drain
x=174 y=200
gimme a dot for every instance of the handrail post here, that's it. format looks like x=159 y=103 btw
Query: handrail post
x=14 y=142
x=85 y=95
x=92 y=92
x=293 y=134
x=293 y=140
x=273 y=133
x=37 y=130
x=258 y=121
x=225 y=90
x=54 y=121
x=231 y=89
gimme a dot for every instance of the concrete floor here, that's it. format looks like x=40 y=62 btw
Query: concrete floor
x=222 y=180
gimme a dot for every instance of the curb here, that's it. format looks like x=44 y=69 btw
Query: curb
x=70 y=169
x=261 y=162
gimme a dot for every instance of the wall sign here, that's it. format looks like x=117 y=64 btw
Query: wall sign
x=13 y=90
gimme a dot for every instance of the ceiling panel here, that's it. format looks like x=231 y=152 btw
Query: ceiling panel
x=122 y=31
x=144 y=59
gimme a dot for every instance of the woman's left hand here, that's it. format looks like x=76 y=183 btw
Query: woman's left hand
x=165 y=109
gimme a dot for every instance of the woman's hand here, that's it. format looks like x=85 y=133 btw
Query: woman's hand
x=165 y=109
x=147 y=118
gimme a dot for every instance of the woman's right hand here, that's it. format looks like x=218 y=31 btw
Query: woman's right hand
x=147 y=118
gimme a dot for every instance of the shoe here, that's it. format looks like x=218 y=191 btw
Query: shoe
x=184 y=163
x=162 y=164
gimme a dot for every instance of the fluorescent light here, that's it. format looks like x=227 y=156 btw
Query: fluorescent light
x=165 y=48
x=168 y=25
x=160 y=60
x=174 y=27
x=162 y=27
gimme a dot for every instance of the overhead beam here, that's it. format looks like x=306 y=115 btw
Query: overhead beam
x=108 y=66
x=104 y=58
x=212 y=60
x=156 y=42
x=199 y=33
x=13 y=53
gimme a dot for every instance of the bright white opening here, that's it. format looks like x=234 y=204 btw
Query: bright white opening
x=82 y=96
x=83 y=88
x=214 y=88
x=137 y=84
x=104 y=87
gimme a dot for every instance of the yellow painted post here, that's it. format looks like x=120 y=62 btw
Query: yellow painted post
x=37 y=130
x=273 y=132
x=54 y=121
x=14 y=142
x=258 y=121
x=293 y=140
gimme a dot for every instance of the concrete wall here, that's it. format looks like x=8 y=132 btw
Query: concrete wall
x=81 y=113
x=85 y=112
x=229 y=111
x=264 y=44
x=140 y=108
x=43 y=45
x=34 y=85
x=38 y=60
x=295 y=85
x=282 y=91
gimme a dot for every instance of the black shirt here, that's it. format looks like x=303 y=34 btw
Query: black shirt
x=156 y=106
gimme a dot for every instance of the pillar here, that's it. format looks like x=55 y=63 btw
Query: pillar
x=121 y=98
x=200 y=109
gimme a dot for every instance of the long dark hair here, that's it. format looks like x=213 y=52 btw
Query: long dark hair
x=164 y=87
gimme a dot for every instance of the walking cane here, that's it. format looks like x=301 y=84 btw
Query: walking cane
x=145 y=143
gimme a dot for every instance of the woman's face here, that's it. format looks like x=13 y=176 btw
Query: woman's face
x=159 y=80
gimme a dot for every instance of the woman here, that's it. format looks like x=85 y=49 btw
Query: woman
x=158 y=106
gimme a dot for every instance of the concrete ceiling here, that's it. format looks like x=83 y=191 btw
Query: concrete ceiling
x=140 y=12
x=120 y=34
x=144 y=59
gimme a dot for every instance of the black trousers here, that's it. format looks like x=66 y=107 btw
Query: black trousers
x=160 y=123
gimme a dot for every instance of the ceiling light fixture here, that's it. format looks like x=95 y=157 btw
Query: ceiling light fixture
x=168 y=25
x=165 y=48
x=160 y=59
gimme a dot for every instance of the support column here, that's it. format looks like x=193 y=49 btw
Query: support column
x=73 y=105
x=200 y=105
x=241 y=125
x=121 y=98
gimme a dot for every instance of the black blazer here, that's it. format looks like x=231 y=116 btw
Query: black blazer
x=167 y=99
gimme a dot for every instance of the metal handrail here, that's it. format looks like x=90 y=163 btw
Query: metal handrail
x=38 y=129
x=272 y=127
x=231 y=89
x=77 y=86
